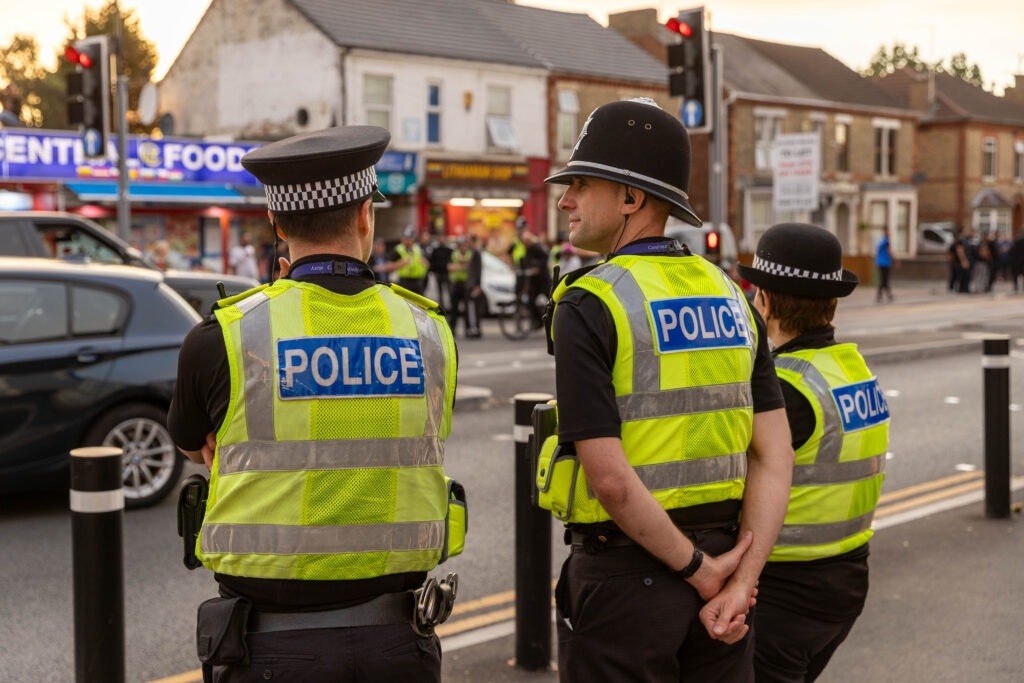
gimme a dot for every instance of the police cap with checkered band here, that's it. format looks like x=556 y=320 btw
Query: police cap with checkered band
x=320 y=171
x=801 y=260
x=637 y=143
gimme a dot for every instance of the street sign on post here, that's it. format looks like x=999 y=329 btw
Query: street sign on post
x=88 y=93
x=688 y=62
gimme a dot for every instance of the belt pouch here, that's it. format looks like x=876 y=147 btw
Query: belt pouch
x=557 y=471
x=456 y=521
x=221 y=630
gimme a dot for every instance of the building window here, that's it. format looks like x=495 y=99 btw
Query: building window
x=885 y=151
x=377 y=100
x=501 y=134
x=988 y=158
x=568 y=128
x=842 y=146
x=434 y=113
x=767 y=127
x=994 y=221
x=1018 y=161
x=901 y=236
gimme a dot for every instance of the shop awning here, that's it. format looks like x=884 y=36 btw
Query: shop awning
x=204 y=194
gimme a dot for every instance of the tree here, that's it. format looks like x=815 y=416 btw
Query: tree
x=44 y=91
x=885 y=61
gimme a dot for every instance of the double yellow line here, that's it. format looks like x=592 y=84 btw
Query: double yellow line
x=928 y=492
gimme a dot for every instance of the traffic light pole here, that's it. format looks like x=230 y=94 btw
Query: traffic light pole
x=715 y=158
x=124 y=219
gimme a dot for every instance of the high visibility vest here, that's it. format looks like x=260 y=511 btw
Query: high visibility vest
x=686 y=342
x=838 y=474
x=459 y=258
x=329 y=463
x=518 y=252
x=415 y=269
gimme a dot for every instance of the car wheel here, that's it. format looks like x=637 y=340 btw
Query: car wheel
x=151 y=465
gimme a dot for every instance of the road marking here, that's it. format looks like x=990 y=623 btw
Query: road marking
x=894 y=508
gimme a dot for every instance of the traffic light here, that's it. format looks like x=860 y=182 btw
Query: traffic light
x=688 y=67
x=88 y=93
x=712 y=246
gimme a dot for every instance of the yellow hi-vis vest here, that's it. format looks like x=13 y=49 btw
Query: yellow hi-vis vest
x=686 y=342
x=838 y=473
x=518 y=252
x=415 y=269
x=459 y=258
x=329 y=461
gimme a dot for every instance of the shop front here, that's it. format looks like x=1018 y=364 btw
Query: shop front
x=483 y=198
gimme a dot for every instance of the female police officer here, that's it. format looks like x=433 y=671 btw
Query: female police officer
x=330 y=398
x=667 y=391
x=816 y=580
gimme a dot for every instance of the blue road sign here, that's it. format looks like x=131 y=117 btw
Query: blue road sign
x=692 y=114
x=91 y=142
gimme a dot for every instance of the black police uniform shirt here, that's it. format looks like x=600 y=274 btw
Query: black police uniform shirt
x=585 y=347
x=199 y=406
x=832 y=588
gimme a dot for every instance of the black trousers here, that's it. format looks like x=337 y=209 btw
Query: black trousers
x=624 y=617
x=367 y=654
x=793 y=647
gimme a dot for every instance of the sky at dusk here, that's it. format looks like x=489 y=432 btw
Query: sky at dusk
x=988 y=31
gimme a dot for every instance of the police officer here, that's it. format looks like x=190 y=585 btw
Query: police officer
x=329 y=399
x=667 y=393
x=816 y=580
x=410 y=264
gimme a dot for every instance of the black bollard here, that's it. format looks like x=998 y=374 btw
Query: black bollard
x=533 y=550
x=97 y=548
x=996 y=364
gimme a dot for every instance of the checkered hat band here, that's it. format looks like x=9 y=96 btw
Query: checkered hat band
x=789 y=271
x=322 y=194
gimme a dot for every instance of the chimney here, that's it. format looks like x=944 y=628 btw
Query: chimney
x=642 y=28
x=920 y=88
x=1015 y=93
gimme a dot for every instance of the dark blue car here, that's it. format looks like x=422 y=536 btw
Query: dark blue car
x=88 y=357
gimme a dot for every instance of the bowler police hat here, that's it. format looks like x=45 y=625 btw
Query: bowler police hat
x=639 y=144
x=801 y=260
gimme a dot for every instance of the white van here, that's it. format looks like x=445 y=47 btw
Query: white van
x=698 y=240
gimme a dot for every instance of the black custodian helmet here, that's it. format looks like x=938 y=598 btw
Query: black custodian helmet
x=637 y=143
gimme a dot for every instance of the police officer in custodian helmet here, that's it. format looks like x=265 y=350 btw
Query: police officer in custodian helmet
x=670 y=422
x=816 y=580
x=328 y=399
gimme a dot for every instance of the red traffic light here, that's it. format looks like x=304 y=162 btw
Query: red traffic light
x=680 y=27
x=712 y=241
x=76 y=57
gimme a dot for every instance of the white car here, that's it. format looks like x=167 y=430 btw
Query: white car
x=697 y=240
x=935 y=238
x=498 y=282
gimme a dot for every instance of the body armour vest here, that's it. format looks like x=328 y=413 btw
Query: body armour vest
x=460 y=258
x=329 y=463
x=686 y=341
x=838 y=474
x=414 y=269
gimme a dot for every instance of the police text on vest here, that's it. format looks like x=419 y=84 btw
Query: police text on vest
x=861 y=405
x=349 y=367
x=691 y=323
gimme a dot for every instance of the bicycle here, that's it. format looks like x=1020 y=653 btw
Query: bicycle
x=516 y=317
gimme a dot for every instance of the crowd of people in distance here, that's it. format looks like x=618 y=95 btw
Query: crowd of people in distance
x=977 y=261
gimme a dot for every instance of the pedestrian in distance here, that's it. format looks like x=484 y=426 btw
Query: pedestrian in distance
x=884 y=262
x=474 y=305
x=816 y=580
x=242 y=258
x=664 y=436
x=409 y=264
x=321 y=403
x=440 y=257
x=1017 y=260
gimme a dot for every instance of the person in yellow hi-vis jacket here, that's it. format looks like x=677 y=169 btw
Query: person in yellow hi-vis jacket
x=673 y=458
x=327 y=398
x=816 y=580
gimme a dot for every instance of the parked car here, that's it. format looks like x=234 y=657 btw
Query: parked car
x=497 y=281
x=935 y=238
x=69 y=237
x=88 y=357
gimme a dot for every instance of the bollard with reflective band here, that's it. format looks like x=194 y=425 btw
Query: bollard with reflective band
x=533 y=550
x=97 y=511
x=996 y=365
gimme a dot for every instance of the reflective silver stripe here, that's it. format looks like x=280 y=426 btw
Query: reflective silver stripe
x=292 y=456
x=646 y=364
x=684 y=401
x=257 y=372
x=97 y=501
x=433 y=367
x=839 y=472
x=680 y=474
x=268 y=539
x=831 y=443
x=741 y=299
x=819 y=534
x=630 y=174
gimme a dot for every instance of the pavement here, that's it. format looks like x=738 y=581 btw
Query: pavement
x=947 y=583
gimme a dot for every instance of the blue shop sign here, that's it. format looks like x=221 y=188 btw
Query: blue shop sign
x=396 y=172
x=27 y=154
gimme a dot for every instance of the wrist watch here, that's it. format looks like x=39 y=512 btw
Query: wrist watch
x=695 y=562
